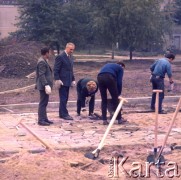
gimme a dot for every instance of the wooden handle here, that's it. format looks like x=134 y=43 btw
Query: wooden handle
x=121 y=98
x=36 y=136
x=157 y=90
x=101 y=144
x=170 y=127
x=156 y=118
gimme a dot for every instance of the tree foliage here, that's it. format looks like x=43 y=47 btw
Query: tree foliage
x=134 y=24
x=177 y=15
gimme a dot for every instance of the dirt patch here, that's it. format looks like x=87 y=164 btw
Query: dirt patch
x=71 y=164
x=135 y=82
x=19 y=59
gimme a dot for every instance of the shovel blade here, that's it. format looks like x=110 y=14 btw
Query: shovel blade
x=160 y=160
x=152 y=159
x=90 y=155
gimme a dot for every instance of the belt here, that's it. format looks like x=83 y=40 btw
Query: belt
x=157 y=77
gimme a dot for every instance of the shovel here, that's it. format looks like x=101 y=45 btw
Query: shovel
x=95 y=153
x=152 y=158
x=159 y=157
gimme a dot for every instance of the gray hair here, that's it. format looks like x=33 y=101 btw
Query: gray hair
x=70 y=44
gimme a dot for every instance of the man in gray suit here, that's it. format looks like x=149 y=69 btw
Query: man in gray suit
x=44 y=83
x=64 y=78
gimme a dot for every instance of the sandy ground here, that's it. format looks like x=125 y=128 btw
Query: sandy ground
x=19 y=157
x=22 y=156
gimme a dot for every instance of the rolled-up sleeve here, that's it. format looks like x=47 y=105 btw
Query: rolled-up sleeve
x=169 y=70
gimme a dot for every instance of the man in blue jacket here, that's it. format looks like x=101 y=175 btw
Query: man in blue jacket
x=158 y=70
x=110 y=78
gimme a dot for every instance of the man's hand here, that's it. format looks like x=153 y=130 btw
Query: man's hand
x=151 y=78
x=171 y=86
x=87 y=100
x=48 y=89
x=73 y=83
x=58 y=84
x=84 y=112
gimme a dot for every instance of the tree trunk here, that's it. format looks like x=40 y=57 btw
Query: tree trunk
x=58 y=47
x=131 y=53
x=112 y=51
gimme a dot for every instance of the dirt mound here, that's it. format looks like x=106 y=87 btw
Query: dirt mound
x=18 y=59
x=16 y=66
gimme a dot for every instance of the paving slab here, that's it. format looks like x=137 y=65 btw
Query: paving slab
x=81 y=133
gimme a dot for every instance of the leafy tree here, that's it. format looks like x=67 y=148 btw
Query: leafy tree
x=177 y=15
x=54 y=22
x=76 y=22
x=141 y=24
x=104 y=20
x=134 y=24
x=40 y=20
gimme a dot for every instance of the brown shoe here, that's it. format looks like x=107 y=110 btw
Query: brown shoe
x=105 y=122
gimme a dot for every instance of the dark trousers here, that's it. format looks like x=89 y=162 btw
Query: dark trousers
x=107 y=82
x=157 y=83
x=63 y=95
x=44 y=98
x=91 y=104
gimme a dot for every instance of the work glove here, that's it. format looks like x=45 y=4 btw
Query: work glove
x=48 y=89
x=58 y=84
x=84 y=112
x=151 y=78
x=87 y=100
x=73 y=83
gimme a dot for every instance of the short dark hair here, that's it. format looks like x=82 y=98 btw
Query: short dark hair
x=45 y=50
x=122 y=64
x=170 y=56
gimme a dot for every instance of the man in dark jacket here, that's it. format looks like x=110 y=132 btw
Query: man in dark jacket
x=86 y=89
x=110 y=78
x=64 y=78
x=158 y=70
x=44 y=83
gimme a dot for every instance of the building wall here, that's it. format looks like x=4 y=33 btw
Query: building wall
x=8 y=19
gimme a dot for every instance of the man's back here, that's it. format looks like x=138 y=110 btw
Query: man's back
x=161 y=67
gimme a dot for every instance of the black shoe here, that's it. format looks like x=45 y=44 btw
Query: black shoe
x=153 y=109
x=93 y=117
x=162 y=112
x=48 y=121
x=121 y=121
x=105 y=122
x=67 y=118
x=43 y=123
